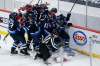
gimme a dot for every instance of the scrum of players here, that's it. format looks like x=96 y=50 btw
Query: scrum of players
x=45 y=30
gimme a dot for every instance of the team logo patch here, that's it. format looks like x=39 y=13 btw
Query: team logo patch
x=80 y=38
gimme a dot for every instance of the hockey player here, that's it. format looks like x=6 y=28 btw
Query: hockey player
x=62 y=22
x=57 y=25
x=17 y=33
x=30 y=23
x=43 y=53
x=40 y=22
x=63 y=31
x=38 y=36
x=50 y=21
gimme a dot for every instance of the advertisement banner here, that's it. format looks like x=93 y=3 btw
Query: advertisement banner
x=81 y=39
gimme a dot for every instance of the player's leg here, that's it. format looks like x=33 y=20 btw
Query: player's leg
x=15 y=44
x=23 y=45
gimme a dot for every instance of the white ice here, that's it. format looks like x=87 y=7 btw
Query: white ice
x=6 y=59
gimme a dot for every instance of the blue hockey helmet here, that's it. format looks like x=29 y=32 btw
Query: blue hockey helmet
x=13 y=15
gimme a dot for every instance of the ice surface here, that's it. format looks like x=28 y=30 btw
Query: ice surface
x=6 y=59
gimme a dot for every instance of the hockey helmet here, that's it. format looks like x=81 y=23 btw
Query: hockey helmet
x=13 y=15
x=54 y=10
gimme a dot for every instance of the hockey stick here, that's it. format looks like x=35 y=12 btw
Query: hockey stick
x=69 y=13
x=73 y=6
x=30 y=1
x=5 y=37
x=39 y=1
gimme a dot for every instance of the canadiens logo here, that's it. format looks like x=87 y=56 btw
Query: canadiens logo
x=80 y=38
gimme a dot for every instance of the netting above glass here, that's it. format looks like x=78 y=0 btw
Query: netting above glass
x=93 y=3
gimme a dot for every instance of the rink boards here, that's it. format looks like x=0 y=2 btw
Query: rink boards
x=84 y=40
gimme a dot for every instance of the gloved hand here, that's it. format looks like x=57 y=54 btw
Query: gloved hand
x=68 y=16
x=69 y=24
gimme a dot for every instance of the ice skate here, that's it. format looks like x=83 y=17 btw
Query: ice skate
x=24 y=51
x=14 y=51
